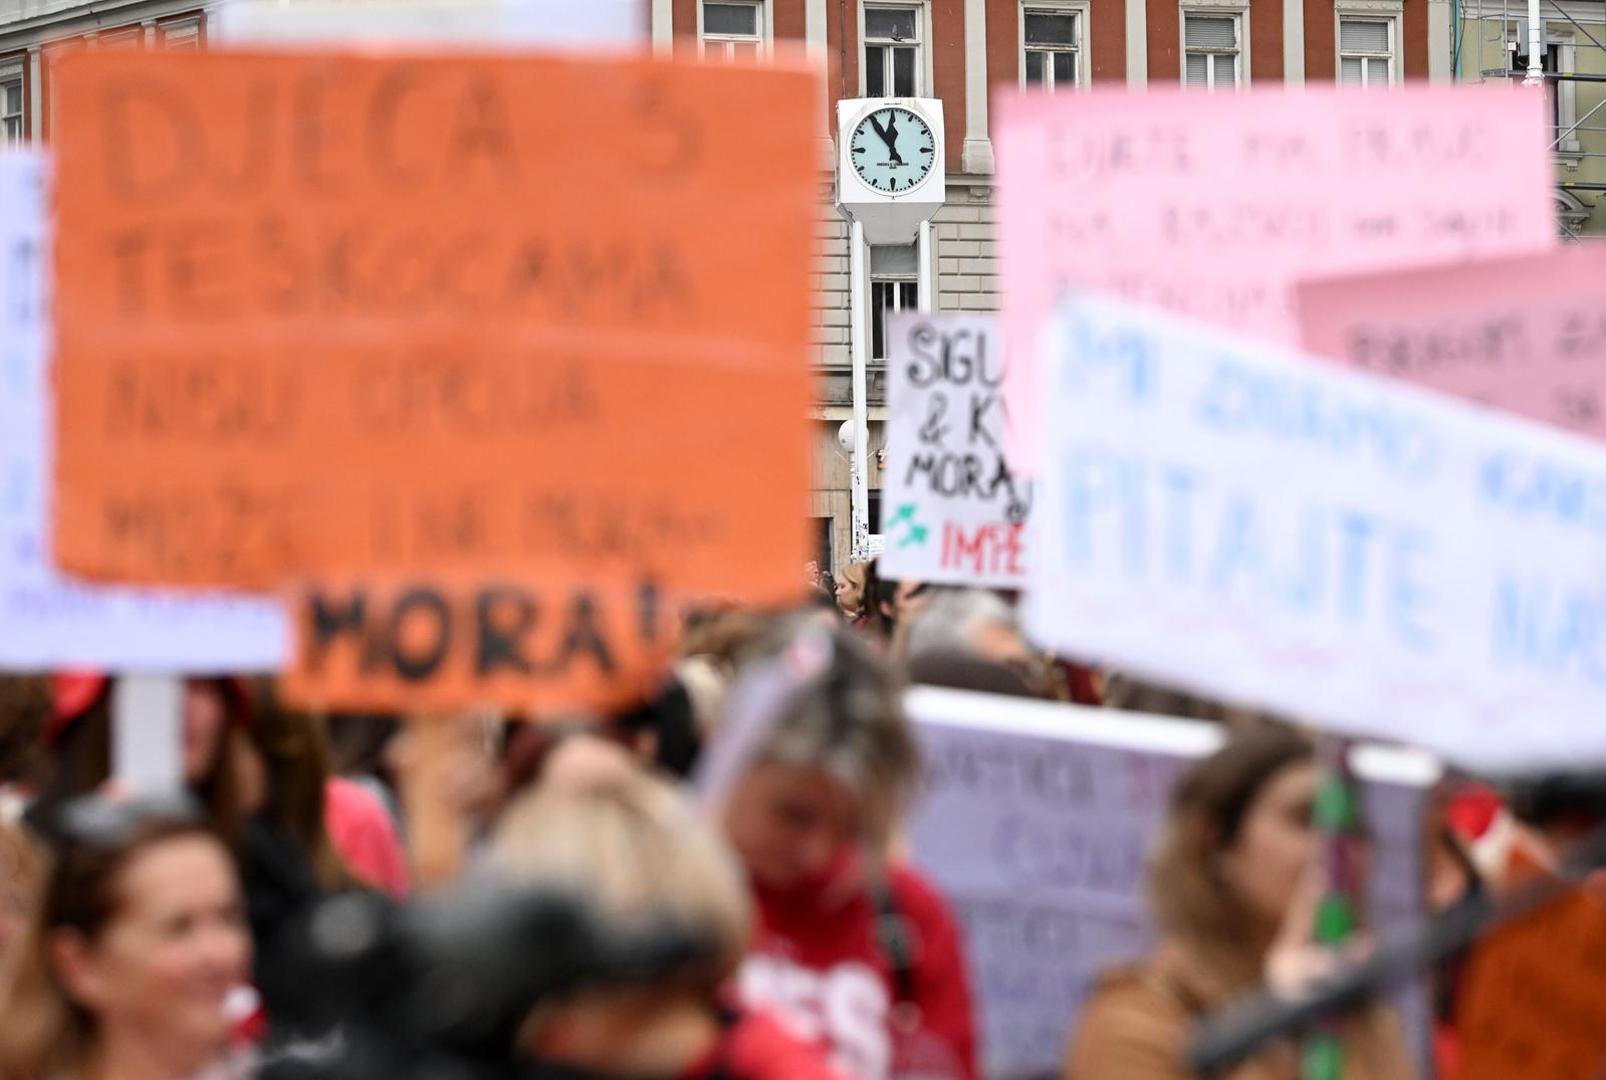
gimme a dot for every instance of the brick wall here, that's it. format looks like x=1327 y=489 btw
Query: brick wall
x=966 y=238
x=830 y=329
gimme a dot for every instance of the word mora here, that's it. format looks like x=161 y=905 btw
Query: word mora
x=427 y=634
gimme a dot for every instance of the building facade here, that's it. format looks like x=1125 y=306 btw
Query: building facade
x=1491 y=41
x=960 y=51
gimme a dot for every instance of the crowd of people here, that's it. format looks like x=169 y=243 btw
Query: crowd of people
x=758 y=804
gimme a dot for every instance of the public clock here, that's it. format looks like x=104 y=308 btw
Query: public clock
x=893 y=150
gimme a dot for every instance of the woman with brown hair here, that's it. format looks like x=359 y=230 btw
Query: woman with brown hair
x=257 y=773
x=219 y=767
x=136 y=945
x=20 y=867
x=1233 y=891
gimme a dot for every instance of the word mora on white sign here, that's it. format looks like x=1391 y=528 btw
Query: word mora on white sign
x=955 y=509
x=1349 y=550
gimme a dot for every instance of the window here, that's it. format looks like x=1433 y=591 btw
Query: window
x=1549 y=62
x=1210 y=50
x=1365 y=52
x=894 y=286
x=733 y=31
x=891 y=52
x=180 y=35
x=1052 y=43
x=10 y=109
x=128 y=37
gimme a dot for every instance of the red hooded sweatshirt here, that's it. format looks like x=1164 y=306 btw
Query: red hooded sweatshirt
x=756 y=1047
x=818 y=963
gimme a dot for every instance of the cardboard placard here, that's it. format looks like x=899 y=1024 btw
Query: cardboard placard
x=956 y=510
x=1525 y=334
x=1235 y=519
x=46 y=620
x=1214 y=205
x=1036 y=820
x=515 y=643
x=350 y=316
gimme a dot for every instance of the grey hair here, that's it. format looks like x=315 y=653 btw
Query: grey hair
x=946 y=623
x=850 y=723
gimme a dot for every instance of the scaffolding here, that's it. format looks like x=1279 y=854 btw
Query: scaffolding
x=1561 y=43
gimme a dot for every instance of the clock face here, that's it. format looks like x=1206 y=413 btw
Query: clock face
x=893 y=150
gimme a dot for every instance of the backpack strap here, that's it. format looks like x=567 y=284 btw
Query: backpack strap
x=895 y=937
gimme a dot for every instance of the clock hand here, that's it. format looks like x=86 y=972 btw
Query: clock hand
x=892 y=139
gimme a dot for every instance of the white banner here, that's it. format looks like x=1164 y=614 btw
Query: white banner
x=1035 y=821
x=435 y=24
x=45 y=621
x=952 y=509
x=1238 y=520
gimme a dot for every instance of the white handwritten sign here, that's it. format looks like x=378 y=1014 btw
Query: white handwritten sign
x=1271 y=530
x=957 y=512
x=1036 y=820
x=435 y=24
x=46 y=621
x=1214 y=205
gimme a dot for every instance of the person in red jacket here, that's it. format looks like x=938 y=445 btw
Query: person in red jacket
x=854 y=948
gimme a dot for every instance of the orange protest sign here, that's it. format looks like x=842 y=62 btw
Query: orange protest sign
x=520 y=643
x=351 y=317
x=1534 y=999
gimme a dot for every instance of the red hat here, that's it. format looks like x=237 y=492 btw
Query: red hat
x=72 y=694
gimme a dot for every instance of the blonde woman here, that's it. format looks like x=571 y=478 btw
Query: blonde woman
x=634 y=850
x=850 y=586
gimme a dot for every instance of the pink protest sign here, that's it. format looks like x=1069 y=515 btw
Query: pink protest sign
x=1214 y=205
x=1524 y=334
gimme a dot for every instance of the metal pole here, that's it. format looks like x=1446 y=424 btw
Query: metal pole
x=1575 y=124
x=860 y=350
x=1337 y=824
x=1536 y=46
x=148 y=733
x=926 y=269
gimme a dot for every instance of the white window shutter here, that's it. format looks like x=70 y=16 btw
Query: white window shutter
x=1212 y=32
x=1363 y=36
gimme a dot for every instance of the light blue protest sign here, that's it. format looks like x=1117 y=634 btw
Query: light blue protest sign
x=47 y=621
x=1353 y=552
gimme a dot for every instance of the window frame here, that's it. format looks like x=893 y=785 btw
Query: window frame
x=1239 y=13
x=1082 y=10
x=1565 y=91
x=900 y=280
x=922 y=44
x=1389 y=11
x=764 y=38
x=15 y=69
x=179 y=33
